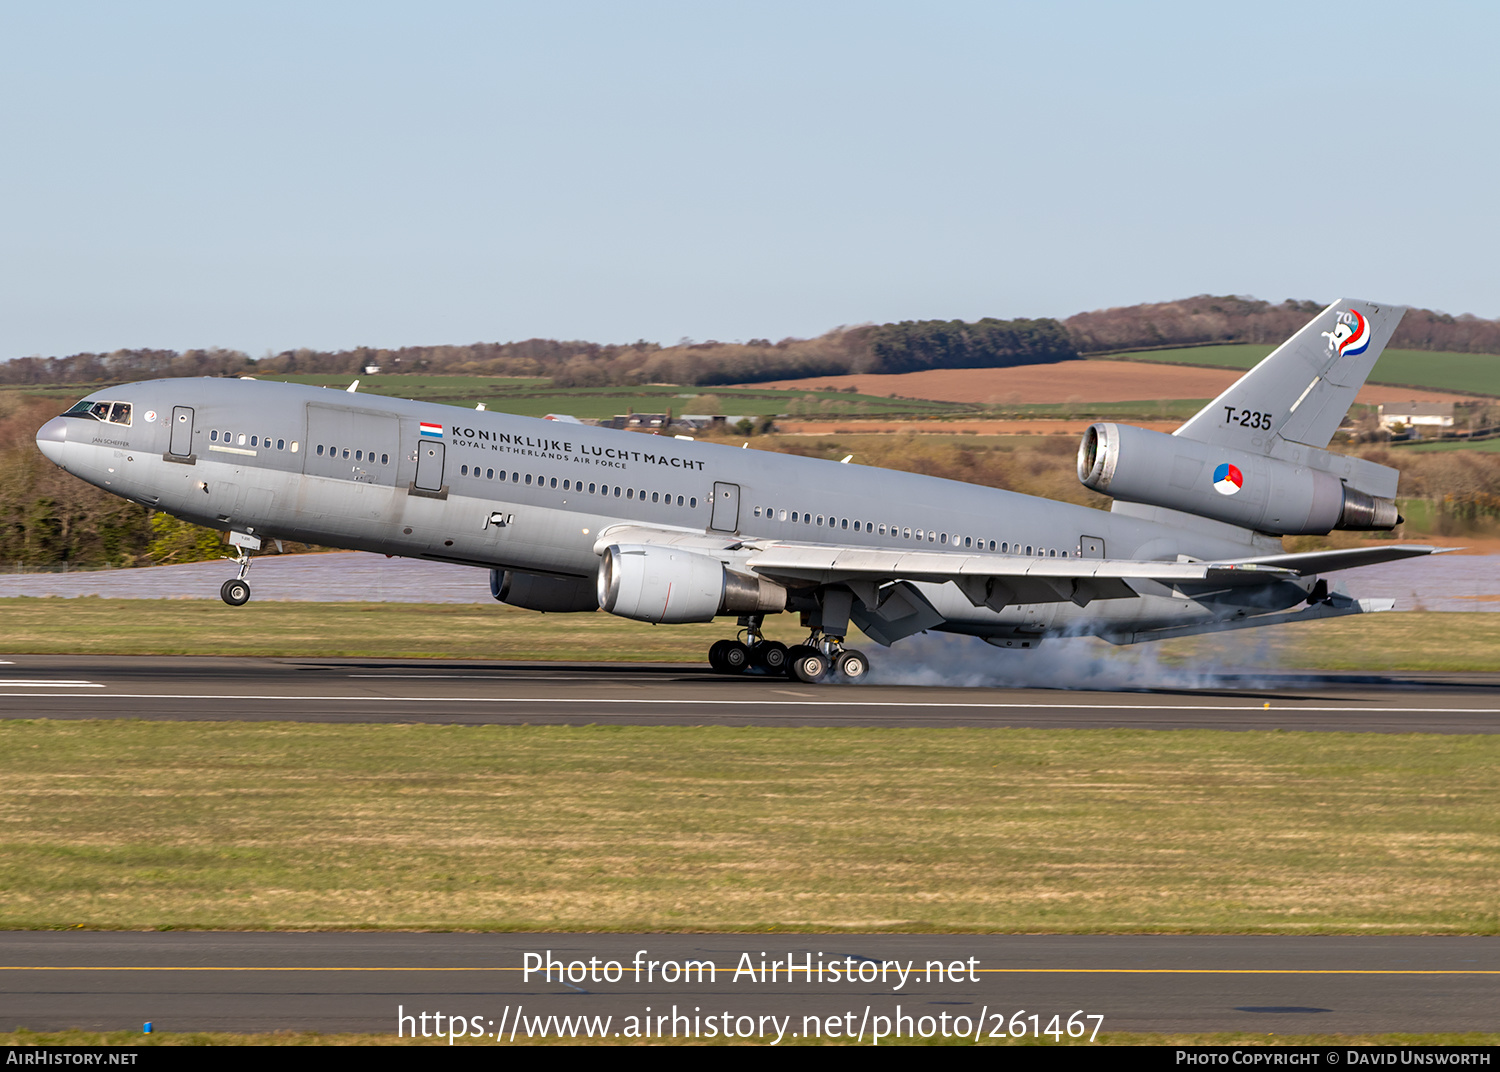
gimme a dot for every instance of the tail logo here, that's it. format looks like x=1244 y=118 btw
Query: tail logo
x=1228 y=479
x=1350 y=336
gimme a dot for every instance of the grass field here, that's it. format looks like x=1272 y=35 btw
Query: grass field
x=278 y=826
x=537 y=398
x=1410 y=641
x=1486 y=445
x=1470 y=373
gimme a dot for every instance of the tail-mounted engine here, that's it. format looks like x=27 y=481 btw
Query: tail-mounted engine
x=665 y=584
x=1255 y=491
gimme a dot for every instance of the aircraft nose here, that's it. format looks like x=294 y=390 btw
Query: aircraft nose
x=51 y=437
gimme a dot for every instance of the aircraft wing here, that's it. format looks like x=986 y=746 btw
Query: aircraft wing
x=1305 y=562
x=998 y=579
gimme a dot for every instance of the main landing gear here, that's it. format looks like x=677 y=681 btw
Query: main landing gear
x=821 y=658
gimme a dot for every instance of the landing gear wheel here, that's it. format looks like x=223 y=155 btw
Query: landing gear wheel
x=853 y=666
x=716 y=656
x=771 y=656
x=809 y=666
x=735 y=657
x=235 y=592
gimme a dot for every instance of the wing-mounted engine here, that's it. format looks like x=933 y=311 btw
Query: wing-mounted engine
x=1314 y=492
x=534 y=591
x=667 y=584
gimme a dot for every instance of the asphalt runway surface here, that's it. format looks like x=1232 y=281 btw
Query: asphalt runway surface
x=496 y=693
x=334 y=982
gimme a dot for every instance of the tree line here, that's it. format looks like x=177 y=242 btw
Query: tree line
x=907 y=346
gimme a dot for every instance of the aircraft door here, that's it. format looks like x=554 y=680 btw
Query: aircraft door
x=346 y=443
x=1090 y=547
x=429 y=466
x=182 y=431
x=726 y=514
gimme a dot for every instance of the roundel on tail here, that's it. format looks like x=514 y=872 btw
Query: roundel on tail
x=1228 y=479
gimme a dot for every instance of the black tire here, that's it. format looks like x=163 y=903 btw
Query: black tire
x=235 y=592
x=716 y=656
x=853 y=666
x=771 y=656
x=736 y=657
x=810 y=666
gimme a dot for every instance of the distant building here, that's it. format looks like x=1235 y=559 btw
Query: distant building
x=1419 y=417
x=371 y=369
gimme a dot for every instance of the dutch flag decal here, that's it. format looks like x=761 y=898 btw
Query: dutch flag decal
x=435 y=431
x=1228 y=479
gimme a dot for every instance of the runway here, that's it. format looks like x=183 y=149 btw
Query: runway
x=500 y=693
x=329 y=982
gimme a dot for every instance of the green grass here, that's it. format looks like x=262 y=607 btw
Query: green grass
x=536 y=398
x=522 y=828
x=1435 y=370
x=1486 y=445
x=89 y=625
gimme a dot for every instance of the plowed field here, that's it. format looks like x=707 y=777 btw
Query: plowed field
x=1069 y=381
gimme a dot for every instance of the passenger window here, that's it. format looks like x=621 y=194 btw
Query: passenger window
x=757 y=511
x=320 y=450
x=295 y=446
x=359 y=455
x=253 y=441
x=944 y=539
x=679 y=500
x=385 y=459
x=968 y=542
x=617 y=491
x=554 y=482
x=528 y=479
x=242 y=439
x=213 y=436
x=820 y=519
x=489 y=474
x=693 y=502
x=656 y=496
x=346 y=452
x=783 y=516
x=629 y=493
x=463 y=470
x=591 y=489
x=281 y=445
x=844 y=524
x=1052 y=553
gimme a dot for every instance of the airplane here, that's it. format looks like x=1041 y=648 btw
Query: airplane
x=572 y=518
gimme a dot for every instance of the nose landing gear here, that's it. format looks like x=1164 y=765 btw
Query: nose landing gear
x=236 y=590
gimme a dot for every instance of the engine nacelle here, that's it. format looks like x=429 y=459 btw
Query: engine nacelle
x=1250 y=490
x=537 y=592
x=666 y=584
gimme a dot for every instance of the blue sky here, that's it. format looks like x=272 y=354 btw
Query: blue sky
x=265 y=176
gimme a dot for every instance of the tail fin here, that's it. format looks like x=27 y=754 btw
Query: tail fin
x=1301 y=392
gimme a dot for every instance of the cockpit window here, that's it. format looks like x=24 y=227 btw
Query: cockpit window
x=109 y=412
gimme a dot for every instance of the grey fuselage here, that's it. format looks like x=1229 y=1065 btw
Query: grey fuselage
x=499 y=491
